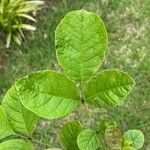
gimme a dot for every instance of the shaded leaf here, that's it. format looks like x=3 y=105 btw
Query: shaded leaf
x=69 y=133
x=113 y=137
x=81 y=40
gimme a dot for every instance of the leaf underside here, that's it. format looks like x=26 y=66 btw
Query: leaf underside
x=81 y=40
x=20 y=119
x=16 y=144
x=69 y=133
x=48 y=94
x=88 y=140
x=109 y=87
x=136 y=136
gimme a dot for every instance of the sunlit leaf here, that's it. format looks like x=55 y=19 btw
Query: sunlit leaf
x=81 y=40
x=109 y=87
x=136 y=136
x=5 y=128
x=48 y=94
x=88 y=140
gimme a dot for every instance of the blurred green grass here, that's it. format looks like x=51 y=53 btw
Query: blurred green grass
x=127 y=23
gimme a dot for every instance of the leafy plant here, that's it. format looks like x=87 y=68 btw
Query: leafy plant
x=81 y=41
x=12 y=18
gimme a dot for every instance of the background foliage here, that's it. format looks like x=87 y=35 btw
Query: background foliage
x=127 y=23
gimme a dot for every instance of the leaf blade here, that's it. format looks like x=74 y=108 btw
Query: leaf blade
x=20 y=119
x=46 y=94
x=81 y=40
x=136 y=136
x=5 y=128
x=109 y=87
x=69 y=133
x=16 y=144
x=88 y=140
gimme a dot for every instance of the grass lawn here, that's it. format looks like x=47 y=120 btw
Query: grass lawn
x=127 y=23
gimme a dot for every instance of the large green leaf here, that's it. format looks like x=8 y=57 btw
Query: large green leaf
x=5 y=128
x=48 y=94
x=69 y=133
x=88 y=140
x=136 y=137
x=109 y=87
x=20 y=119
x=16 y=144
x=81 y=40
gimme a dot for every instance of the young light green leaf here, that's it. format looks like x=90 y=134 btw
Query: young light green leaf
x=48 y=94
x=81 y=40
x=69 y=133
x=20 y=119
x=109 y=87
x=136 y=136
x=88 y=140
x=5 y=128
x=16 y=144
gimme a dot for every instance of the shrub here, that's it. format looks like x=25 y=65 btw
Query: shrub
x=12 y=18
x=81 y=42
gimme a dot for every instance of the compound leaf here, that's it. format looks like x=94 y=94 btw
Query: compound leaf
x=69 y=133
x=136 y=136
x=109 y=87
x=5 y=128
x=48 y=94
x=81 y=40
x=88 y=140
x=16 y=144
x=20 y=119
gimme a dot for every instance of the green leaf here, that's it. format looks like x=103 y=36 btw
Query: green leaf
x=27 y=16
x=104 y=125
x=81 y=40
x=5 y=128
x=16 y=144
x=20 y=119
x=136 y=136
x=69 y=133
x=113 y=137
x=48 y=94
x=109 y=87
x=129 y=148
x=24 y=26
x=88 y=140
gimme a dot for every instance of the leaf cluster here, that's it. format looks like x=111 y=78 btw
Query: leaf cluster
x=81 y=42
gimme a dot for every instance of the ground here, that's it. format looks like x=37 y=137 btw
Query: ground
x=127 y=23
